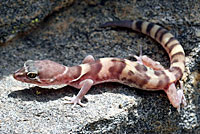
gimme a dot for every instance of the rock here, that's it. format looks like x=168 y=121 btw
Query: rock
x=21 y=15
x=198 y=33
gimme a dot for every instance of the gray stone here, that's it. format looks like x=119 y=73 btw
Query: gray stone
x=22 y=15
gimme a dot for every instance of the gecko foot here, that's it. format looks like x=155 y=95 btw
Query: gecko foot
x=85 y=86
x=74 y=100
x=138 y=58
x=180 y=93
x=176 y=98
x=183 y=100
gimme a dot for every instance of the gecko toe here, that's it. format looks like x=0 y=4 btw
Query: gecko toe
x=74 y=100
x=184 y=101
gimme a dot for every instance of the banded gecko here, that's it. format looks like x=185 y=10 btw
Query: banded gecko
x=144 y=73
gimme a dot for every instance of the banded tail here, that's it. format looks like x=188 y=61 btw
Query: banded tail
x=162 y=36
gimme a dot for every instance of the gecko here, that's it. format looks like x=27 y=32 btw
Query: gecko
x=144 y=73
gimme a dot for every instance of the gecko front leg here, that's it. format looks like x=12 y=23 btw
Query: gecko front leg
x=85 y=86
x=88 y=59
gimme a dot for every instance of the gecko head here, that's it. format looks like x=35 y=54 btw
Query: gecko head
x=40 y=72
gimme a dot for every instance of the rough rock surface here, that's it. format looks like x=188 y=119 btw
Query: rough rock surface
x=70 y=34
x=19 y=16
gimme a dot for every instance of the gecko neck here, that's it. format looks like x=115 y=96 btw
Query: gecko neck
x=68 y=75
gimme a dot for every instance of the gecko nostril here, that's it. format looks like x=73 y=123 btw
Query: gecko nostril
x=19 y=73
x=15 y=76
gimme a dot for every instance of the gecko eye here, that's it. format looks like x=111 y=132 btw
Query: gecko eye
x=32 y=75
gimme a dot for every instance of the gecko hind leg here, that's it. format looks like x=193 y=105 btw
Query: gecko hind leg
x=145 y=60
x=85 y=87
x=88 y=59
x=175 y=97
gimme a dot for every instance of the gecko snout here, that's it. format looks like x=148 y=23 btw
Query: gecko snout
x=19 y=73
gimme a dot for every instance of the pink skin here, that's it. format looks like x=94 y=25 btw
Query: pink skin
x=48 y=70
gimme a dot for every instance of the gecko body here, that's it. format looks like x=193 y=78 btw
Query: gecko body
x=144 y=73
